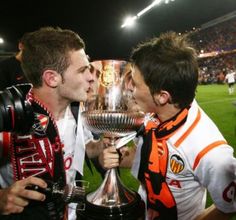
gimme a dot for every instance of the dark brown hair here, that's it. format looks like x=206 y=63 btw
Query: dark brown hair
x=48 y=48
x=168 y=63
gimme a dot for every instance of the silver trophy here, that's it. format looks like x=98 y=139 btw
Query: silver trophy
x=107 y=113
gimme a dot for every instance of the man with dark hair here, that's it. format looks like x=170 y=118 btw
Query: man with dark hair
x=183 y=154
x=11 y=72
x=55 y=63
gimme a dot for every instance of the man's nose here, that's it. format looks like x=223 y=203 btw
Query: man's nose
x=91 y=76
x=130 y=86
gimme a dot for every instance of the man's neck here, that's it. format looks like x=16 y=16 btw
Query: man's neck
x=56 y=105
x=18 y=56
x=167 y=111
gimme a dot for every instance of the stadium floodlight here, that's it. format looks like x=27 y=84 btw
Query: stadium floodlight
x=131 y=20
x=1 y=40
x=148 y=8
x=145 y=10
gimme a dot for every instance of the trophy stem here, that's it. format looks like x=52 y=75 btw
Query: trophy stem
x=111 y=192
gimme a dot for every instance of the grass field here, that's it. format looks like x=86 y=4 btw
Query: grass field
x=217 y=103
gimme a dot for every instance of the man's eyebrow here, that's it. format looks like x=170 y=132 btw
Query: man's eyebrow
x=82 y=68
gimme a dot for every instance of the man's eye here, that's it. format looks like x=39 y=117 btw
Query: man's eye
x=82 y=69
x=91 y=68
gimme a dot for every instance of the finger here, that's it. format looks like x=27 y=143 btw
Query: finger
x=19 y=188
x=111 y=156
x=19 y=195
x=11 y=208
x=108 y=141
x=17 y=201
x=124 y=149
x=35 y=181
x=105 y=140
x=111 y=150
x=11 y=201
x=33 y=195
x=111 y=164
x=18 y=209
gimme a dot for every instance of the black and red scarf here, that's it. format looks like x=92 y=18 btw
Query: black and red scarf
x=153 y=167
x=39 y=153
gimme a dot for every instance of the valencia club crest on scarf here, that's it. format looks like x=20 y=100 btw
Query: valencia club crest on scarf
x=42 y=123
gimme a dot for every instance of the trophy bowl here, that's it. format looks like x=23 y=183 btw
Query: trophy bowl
x=112 y=123
x=107 y=112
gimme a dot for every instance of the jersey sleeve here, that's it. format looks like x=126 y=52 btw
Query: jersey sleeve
x=217 y=172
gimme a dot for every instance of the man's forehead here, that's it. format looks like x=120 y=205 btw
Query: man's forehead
x=80 y=57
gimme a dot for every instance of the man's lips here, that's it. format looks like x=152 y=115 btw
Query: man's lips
x=89 y=90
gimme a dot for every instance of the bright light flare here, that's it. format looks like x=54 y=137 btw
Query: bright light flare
x=1 y=40
x=148 y=8
x=129 y=21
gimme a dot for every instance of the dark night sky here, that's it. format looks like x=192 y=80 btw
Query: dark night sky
x=98 y=21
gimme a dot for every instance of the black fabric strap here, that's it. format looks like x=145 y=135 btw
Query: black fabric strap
x=145 y=152
x=75 y=110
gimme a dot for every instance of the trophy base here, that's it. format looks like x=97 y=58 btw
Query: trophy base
x=131 y=211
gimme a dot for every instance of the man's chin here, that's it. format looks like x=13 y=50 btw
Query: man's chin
x=81 y=99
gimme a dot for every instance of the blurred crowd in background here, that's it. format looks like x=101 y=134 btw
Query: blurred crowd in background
x=215 y=42
x=216 y=46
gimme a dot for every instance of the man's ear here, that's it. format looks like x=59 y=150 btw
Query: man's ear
x=20 y=46
x=51 y=78
x=162 y=97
